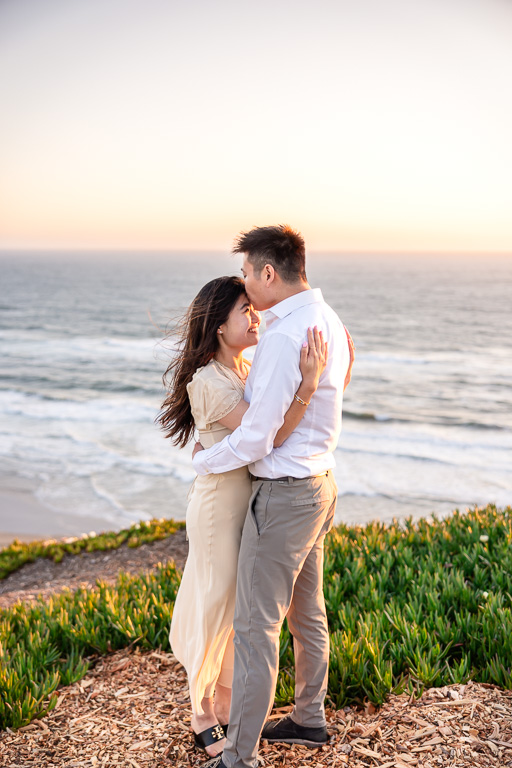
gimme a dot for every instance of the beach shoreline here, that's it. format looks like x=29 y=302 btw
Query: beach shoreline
x=24 y=517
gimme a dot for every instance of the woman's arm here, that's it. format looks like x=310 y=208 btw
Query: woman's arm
x=233 y=419
x=313 y=359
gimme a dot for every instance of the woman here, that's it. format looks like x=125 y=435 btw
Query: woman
x=206 y=385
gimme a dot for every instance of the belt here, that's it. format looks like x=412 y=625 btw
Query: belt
x=288 y=480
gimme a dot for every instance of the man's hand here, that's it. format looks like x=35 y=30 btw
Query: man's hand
x=197 y=447
x=352 y=350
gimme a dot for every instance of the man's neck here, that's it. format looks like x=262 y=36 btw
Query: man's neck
x=290 y=289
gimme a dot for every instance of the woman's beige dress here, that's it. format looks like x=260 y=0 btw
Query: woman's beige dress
x=202 y=623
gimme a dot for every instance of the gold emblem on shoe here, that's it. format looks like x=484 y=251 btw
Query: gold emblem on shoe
x=217 y=733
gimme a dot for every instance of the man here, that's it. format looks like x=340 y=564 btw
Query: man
x=292 y=506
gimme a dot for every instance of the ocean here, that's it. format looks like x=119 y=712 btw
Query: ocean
x=427 y=423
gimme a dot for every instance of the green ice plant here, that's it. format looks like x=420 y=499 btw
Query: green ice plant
x=52 y=643
x=417 y=604
x=436 y=595
x=410 y=605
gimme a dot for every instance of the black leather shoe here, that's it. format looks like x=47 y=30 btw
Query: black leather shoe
x=215 y=762
x=286 y=731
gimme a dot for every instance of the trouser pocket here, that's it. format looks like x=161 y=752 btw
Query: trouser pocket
x=254 y=502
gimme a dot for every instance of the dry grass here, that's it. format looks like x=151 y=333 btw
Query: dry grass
x=133 y=710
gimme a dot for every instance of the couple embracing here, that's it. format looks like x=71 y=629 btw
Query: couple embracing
x=264 y=497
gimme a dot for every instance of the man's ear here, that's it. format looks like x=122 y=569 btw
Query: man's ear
x=269 y=274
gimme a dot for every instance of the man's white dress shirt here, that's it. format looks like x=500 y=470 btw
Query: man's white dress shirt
x=272 y=382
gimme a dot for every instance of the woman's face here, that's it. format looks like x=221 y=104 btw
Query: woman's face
x=241 y=329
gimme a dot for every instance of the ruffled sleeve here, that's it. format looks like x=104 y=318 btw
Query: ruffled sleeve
x=211 y=397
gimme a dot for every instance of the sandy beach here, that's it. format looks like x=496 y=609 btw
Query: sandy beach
x=24 y=517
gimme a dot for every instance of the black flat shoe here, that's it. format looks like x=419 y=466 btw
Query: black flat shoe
x=286 y=731
x=208 y=737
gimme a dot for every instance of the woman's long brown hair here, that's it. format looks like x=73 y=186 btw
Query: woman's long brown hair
x=197 y=344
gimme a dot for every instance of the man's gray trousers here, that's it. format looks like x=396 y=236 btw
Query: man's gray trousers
x=280 y=573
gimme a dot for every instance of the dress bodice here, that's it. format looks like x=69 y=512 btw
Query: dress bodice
x=213 y=393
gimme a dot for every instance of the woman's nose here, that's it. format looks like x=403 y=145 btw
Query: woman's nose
x=255 y=316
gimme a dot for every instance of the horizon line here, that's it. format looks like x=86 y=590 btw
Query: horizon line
x=326 y=251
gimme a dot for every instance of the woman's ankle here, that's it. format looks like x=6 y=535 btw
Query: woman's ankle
x=222 y=703
x=200 y=722
x=206 y=719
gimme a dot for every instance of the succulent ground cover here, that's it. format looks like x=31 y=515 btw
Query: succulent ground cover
x=410 y=607
x=415 y=605
x=132 y=711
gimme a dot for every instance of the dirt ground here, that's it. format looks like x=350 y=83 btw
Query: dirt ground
x=44 y=577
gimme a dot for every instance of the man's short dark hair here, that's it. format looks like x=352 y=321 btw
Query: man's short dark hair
x=279 y=246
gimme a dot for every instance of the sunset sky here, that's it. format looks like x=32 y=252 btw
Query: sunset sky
x=374 y=125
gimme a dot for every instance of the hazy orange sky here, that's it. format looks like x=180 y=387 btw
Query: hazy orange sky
x=368 y=125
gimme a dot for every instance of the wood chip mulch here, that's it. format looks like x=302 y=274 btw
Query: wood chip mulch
x=132 y=710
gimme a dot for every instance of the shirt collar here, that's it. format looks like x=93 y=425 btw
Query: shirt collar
x=285 y=307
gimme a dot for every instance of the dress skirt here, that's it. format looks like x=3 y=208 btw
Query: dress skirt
x=202 y=623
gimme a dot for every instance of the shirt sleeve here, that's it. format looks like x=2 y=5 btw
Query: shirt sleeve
x=211 y=399
x=276 y=379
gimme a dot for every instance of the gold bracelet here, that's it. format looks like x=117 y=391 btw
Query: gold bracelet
x=300 y=400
